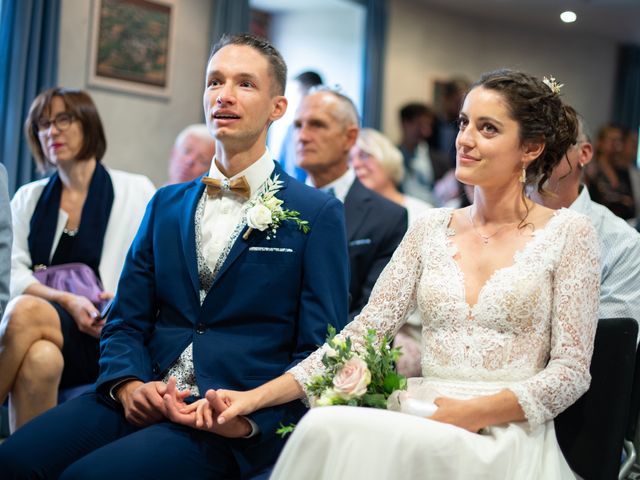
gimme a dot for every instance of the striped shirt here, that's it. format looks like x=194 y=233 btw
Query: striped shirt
x=619 y=259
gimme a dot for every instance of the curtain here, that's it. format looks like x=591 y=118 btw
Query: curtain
x=28 y=65
x=373 y=63
x=627 y=94
x=229 y=16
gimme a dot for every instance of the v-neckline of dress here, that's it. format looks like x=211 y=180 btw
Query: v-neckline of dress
x=452 y=250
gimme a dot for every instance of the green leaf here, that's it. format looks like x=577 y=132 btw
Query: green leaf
x=393 y=381
x=403 y=383
x=331 y=332
x=374 y=400
x=283 y=431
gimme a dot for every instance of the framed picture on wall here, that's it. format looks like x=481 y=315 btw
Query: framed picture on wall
x=131 y=46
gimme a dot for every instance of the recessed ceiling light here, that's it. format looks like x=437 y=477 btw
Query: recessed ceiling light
x=568 y=17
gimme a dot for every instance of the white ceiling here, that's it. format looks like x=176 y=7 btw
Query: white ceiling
x=617 y=19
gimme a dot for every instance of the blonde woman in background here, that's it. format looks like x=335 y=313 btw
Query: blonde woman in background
x=378 y=165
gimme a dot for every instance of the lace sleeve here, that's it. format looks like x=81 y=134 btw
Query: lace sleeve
x=392 y=297
x=574 y=318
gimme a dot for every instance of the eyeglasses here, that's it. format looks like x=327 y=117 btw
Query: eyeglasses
x=62 y=121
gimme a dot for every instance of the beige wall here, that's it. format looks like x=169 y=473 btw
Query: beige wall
x=328 y=40
x=140 y=130
x=424 y=44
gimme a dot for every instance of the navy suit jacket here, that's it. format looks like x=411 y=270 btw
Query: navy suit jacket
x=375 y=227
x=268 y=308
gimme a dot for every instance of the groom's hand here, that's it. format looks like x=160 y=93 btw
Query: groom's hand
x=203 y=414
x=142 y=402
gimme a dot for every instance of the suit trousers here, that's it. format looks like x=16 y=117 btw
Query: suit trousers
x=89 y=438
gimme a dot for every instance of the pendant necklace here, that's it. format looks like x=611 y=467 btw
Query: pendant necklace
x=485 y=238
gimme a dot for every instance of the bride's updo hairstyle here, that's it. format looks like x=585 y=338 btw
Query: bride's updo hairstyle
x=541 y=115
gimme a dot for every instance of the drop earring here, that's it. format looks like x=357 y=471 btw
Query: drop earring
x=523 y=175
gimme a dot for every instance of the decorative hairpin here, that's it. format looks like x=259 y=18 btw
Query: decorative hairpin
x=552 y=84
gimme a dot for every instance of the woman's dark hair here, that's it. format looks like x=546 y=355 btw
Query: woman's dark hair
x=541 y=116
x=79 y=104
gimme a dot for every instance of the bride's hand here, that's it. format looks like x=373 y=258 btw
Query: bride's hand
x=461 y=413
x=237 y=403
x=203 y=414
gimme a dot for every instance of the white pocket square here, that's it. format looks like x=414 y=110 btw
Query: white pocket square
x=361 y=241
x=270 y=249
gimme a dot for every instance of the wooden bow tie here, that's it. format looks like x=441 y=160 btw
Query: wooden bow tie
x=216 y=187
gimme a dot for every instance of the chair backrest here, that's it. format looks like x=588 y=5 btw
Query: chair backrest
x=591 y=431
x=634 y=408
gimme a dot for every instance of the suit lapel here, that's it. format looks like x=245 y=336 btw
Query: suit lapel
x=356 y=207
x=240 y=245
x=188 y=232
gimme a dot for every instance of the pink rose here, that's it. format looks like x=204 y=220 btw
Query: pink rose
x=352 y=379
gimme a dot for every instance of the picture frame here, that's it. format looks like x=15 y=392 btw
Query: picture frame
x=132 y=45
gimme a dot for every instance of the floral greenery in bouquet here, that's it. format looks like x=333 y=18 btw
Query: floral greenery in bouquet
x=358 y=379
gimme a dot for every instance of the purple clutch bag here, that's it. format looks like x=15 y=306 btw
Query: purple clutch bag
x=76 y=278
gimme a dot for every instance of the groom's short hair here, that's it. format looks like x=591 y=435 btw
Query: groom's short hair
x=271 y=53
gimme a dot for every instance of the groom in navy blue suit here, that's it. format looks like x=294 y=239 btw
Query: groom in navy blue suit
x=213 y=294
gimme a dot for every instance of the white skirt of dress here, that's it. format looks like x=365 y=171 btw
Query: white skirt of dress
x=335 y=443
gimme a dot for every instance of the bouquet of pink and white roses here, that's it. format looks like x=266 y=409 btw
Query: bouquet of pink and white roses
x=364 y=379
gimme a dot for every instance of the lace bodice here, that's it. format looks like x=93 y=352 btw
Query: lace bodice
x=531 y=330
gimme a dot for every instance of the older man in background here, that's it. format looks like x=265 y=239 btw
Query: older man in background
x=191 y=154
x=326 y=126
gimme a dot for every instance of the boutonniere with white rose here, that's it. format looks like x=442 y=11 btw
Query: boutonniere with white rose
x=266 y=212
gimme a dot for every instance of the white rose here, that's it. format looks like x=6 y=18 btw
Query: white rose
x=339 y=342
x=273 y=203
x=328 y=397
x=352 y=379
x=259 y=217
x=330 y=352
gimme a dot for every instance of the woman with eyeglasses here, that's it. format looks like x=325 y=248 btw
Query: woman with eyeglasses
x=83 y=213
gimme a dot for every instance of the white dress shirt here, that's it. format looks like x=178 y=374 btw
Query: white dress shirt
x=340 y=186
x=219 y=222
x=222 y=214
x=619 y=259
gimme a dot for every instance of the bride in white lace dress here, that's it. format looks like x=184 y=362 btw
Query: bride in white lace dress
x=508 y=295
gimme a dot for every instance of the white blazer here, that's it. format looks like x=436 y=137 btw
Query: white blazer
x=131 y=193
